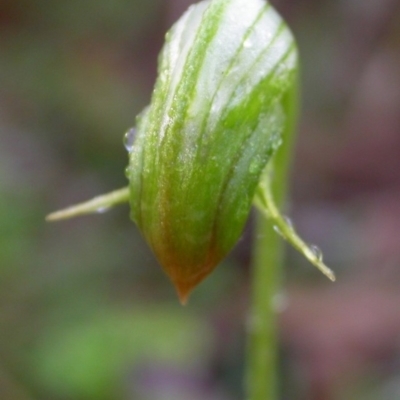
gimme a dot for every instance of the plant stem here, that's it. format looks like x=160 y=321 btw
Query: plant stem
x=97 y=204
x=262 y=375
x=262 y=348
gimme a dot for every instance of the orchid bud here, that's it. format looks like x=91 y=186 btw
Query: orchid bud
x=215 y=120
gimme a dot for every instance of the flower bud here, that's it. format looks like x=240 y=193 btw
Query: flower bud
x=215 y=119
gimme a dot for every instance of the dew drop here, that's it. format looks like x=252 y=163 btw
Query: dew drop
x=288 y=222
x=129 y=139
x=278 y=230
x=317 y=252
x=102 y=210
x=247 y=43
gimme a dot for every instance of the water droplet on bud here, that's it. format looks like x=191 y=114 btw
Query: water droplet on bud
x=129 y=139
x=247 y=43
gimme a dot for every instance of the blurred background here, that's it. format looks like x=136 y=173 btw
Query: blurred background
x=85 y=311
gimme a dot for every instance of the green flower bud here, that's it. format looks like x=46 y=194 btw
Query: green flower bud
x=214 y=121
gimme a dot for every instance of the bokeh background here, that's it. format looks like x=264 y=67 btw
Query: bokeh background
x=85 y=311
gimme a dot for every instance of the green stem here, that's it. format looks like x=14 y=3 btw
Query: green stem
x=262 y=375
x=265 y=203
x=97 y=204
x=262 y=349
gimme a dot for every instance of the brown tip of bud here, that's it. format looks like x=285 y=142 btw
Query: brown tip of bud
x=185 y=285
x=183 y=293
x=184 y=289
x=186 y=272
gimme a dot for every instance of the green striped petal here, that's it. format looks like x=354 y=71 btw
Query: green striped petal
x=215 y=120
